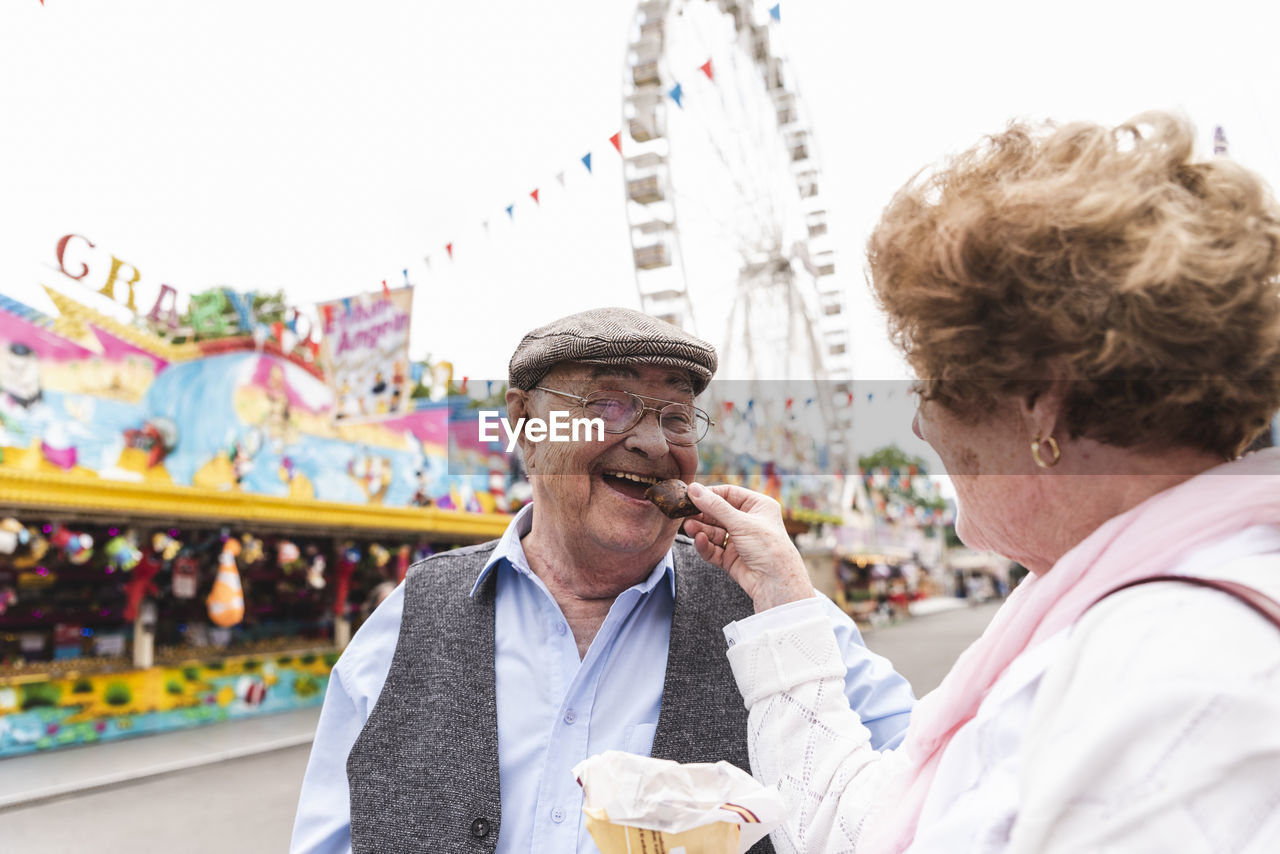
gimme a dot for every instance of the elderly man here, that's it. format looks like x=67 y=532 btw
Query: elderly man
x=454 y=718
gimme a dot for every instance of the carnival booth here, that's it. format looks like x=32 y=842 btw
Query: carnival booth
x=190 y=531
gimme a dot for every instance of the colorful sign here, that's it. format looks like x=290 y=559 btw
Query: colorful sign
x=81 y=395
x=365 y=353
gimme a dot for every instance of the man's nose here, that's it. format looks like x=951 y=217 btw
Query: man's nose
x=647 y=436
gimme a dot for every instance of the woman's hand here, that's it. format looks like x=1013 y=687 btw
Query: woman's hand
x=758 y=555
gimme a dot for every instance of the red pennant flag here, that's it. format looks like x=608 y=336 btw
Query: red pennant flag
x=535 y=197
x=386 y=291
x=616 y=139
x=448 y=247
x=328 y=315
x=277 y=329
x=706 y=69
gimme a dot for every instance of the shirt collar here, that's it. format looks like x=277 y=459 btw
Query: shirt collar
x=511 y=550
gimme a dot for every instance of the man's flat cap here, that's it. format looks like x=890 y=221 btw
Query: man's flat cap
x=610 y=336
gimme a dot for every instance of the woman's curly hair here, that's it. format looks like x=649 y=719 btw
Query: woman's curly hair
x=1106 y=257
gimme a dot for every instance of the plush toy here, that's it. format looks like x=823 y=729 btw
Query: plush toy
x=251 y=551
x=226 y=600
x=315 y=573
x=139 y=585
x=122 y=551
x=12 y=535
x=76 y=547
x=402 y=563
x=347 y=560
x=165 y=546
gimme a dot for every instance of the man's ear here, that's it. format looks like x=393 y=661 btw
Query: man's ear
x=519 y=406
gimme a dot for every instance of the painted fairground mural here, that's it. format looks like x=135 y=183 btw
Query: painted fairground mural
x=78 y=396
x=188 y=529
x=75 y=709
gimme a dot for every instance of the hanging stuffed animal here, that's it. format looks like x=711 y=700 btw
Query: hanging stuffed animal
x=75 y=546
x=402 y=563
x=122 y=551
x=315 y=573
x=226 y=600
x=347 y=561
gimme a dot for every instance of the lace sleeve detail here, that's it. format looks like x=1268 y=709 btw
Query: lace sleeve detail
x=804 y=737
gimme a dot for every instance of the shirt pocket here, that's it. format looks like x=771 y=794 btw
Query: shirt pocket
x=638 y=739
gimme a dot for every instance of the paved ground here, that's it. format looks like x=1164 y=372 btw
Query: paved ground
x=923 y=649
x=246 y=805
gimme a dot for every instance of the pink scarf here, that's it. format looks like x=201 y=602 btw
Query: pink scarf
x=1149 y=539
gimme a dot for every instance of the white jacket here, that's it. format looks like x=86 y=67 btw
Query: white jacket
x=1152 y=725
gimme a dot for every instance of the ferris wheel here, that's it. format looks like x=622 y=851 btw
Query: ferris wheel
x=723 y=187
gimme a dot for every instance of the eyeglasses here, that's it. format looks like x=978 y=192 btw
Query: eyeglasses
x=681 y=423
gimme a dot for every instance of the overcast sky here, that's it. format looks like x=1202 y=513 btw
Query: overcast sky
x=322 y=147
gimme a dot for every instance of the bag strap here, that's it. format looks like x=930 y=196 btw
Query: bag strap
x=1255 y=599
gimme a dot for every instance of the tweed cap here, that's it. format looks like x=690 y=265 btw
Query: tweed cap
x=610 y=336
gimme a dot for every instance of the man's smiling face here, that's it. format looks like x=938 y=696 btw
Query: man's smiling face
x=595 y=489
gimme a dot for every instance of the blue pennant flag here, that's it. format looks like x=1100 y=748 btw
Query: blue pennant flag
x=776 y=12
x=511 y=208
x=586 y=160
x=676 y=94
x=346 y=305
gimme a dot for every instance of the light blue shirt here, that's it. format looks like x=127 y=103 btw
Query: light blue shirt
x=554 y=709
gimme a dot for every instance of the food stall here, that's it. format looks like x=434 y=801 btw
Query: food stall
x=189 y=532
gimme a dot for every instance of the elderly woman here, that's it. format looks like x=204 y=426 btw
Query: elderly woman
x=1096 y=317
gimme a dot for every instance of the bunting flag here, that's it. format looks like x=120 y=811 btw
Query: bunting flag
x=676 y=93
x=346 y=305
x=776 y=12
x=386 y=291
x=277 y=329
x=406 y=277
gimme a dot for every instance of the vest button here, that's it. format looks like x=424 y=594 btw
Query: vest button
x=480 y=828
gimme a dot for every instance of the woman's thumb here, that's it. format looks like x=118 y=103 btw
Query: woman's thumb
x=708 y=502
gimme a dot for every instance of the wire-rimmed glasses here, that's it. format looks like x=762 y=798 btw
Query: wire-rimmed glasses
x=681 y=423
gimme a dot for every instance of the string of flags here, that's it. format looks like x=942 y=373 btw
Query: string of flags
x=678 y=96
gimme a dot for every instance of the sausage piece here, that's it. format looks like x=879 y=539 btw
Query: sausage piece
x=672 y=498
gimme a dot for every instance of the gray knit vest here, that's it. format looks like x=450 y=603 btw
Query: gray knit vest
x=424 y=771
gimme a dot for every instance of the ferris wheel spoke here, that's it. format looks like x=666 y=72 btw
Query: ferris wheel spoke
x=723 y=198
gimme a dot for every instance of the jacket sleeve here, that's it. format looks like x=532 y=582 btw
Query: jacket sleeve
x=804 y=737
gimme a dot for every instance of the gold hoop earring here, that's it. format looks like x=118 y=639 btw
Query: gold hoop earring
x=1052 y=445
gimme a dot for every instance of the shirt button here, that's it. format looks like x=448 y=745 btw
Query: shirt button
x=570 y=716
x=480 y=828
x=557 y=815
x=561 y=628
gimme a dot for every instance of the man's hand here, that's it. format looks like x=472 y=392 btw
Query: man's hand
x=758 y=553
